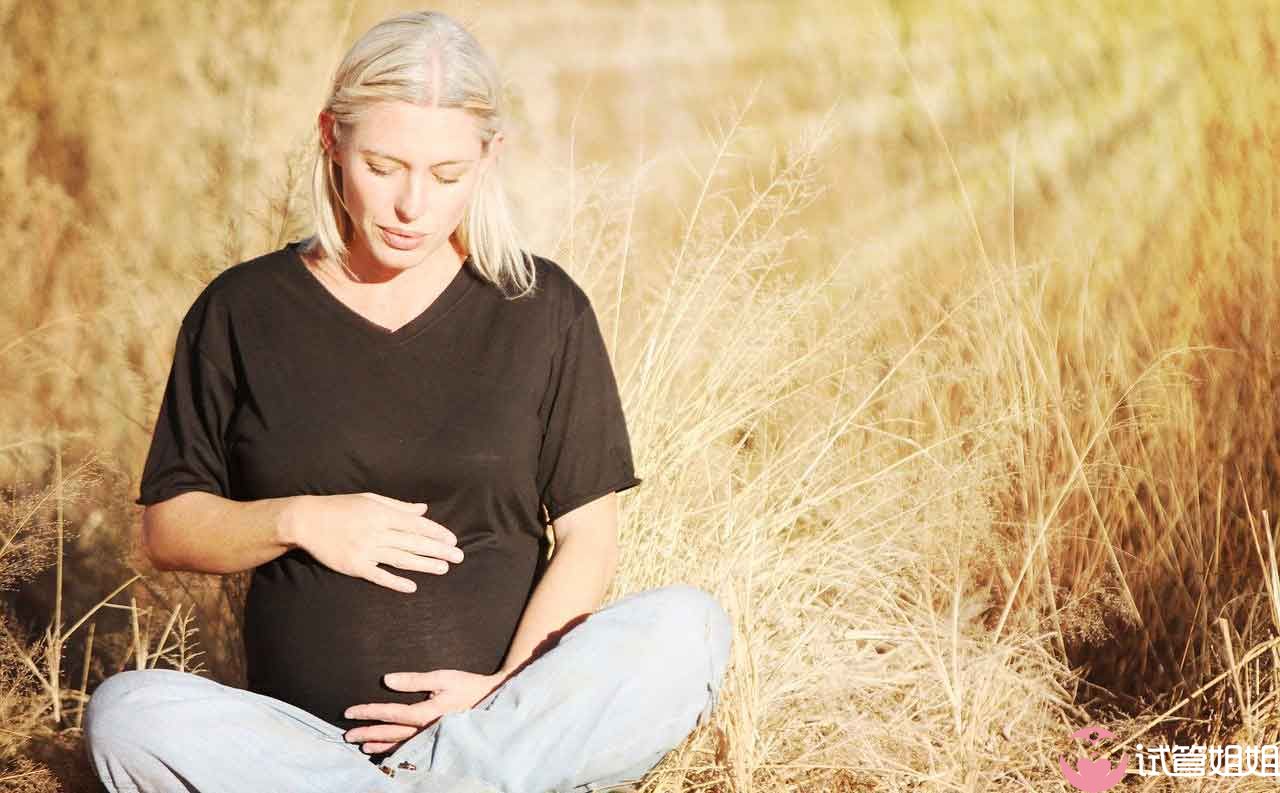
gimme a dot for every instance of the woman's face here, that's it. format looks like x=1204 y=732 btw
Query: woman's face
x=411 y=169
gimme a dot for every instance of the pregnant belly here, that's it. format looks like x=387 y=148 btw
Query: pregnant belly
x=322 y=640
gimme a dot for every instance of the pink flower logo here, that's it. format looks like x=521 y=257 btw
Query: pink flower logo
x=1093 y=775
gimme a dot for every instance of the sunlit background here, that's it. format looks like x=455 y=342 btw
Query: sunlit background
x=945 y=331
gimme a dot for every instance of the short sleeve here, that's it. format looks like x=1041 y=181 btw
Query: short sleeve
x=586 y=450
x=188 y=445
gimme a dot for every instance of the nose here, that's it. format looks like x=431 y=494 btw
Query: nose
x=415 y=199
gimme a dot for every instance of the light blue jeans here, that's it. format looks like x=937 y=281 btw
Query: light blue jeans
x=600 y=708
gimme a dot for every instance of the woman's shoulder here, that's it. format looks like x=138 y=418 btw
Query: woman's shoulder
x=558 y=289
x=238 y=287
x=248 y=275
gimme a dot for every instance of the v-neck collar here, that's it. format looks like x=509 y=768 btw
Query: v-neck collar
x=457 y=287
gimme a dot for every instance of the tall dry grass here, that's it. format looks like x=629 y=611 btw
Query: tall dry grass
x=945 y=337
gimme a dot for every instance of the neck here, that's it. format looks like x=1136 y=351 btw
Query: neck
x=362 y=269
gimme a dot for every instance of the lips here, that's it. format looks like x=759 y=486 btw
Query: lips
x=401 y=241
x=404 y=234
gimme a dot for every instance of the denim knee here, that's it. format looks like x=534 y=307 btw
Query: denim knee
x=693 y=621
x=692 y=618
x=114 y=705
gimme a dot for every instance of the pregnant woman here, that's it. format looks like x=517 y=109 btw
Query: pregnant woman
x=379 y=421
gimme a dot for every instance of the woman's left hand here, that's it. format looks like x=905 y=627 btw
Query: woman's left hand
x=452 y=690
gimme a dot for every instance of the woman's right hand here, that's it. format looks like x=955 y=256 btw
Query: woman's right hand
x=353 y=533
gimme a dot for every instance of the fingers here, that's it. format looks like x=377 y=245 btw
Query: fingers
x=396 y=714
x=415 y=681
x=412 y=561
x=424 y=527
x=412 y=507
x=423 y=546
x=388 y=733
x=379 y=748
x=381 y=577
x=385 y=733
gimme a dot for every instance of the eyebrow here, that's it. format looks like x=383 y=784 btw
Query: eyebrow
x=386 y=156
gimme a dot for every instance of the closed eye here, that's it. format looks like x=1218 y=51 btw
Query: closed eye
x=439 y=178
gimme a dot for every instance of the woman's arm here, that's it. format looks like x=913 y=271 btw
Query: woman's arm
x=350 y=533
x=574 y=583
x=206 y=533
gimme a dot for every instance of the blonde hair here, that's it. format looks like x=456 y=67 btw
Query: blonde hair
x=422 y=57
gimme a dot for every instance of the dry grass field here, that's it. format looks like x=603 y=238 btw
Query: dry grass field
x=947 y=337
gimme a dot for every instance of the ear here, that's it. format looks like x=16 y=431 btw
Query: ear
x=495 y=150
x=325 y=122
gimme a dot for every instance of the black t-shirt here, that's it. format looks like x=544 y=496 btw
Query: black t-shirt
x=487 y=409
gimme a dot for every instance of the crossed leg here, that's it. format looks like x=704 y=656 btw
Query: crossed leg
x=602 y=706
